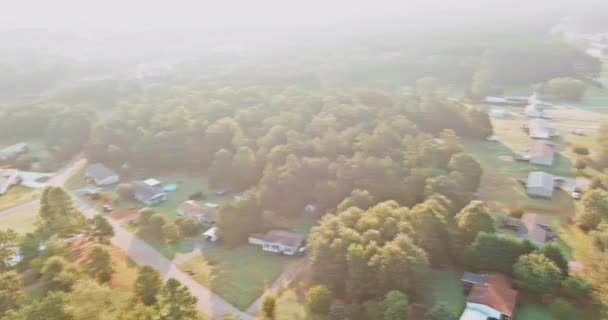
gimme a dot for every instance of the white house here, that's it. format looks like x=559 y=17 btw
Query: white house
x=278 y=241
x=540 y=184
x=101 y=175
x=147 y=194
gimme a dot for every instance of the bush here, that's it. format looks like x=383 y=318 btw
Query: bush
x=583 y=151
x=268 y=306
x=441 y=312
x=319 y=299
x=197 y=196
x=516 y=212
x=580 y=164
x=576 y=287
x=561 y=309
x=188 y=227
x=125 y=190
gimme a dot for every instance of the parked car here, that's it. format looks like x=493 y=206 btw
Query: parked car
x=107 y=208
x=576 y=195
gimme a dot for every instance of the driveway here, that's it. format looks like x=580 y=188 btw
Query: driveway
x=29 y=179
x=142 y=253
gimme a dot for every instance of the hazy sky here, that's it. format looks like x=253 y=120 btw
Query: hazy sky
x=142 y=15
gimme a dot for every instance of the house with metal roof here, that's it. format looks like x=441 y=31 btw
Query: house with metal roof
x=147 y=194
x=491 y=298
x=100 y=174
x=542 y=153
x=540 y=184
x=535 y=228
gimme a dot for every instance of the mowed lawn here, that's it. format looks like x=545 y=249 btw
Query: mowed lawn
x=447 y=289
x=17 y=195
x=21 y=221
x=536 y=311
x=239 y=275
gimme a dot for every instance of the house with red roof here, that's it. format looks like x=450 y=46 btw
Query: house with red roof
x=491 y=298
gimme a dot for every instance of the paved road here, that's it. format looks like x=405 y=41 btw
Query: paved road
x=20 y=207
x=62 y=176
x=143 y=254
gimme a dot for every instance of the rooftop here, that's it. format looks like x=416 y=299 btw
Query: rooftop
x=542 y=148
x=494 y=291
x=540 y=179
x=99 y=171
x=196 y=208
x=286 y=238
x=534 y=226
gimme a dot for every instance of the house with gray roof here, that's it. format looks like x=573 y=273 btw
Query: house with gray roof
x=147 y=194
x=540 y=129
x=100 y=174
x=540 y=184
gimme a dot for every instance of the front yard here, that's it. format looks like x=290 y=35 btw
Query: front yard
x=21 y=221
x=239 y=275
x=17 y=195
x=447 y=289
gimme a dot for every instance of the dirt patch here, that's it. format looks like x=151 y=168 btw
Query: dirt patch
x=124 y=214
x=506 y=158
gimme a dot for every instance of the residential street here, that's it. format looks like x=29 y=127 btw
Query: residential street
x=143 y=254
x=19 y=207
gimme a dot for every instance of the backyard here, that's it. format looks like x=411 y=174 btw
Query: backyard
x=239 y=275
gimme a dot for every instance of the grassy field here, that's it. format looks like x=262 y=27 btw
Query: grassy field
x=181 y=246
x=18 y=195
x=447 y=289
x=239 y=275
x=21 y=221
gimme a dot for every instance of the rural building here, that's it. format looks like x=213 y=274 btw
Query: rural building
x=8 y=178
x=147 y=194
x=13 y=150
x=542 y=153
x=540 y=184
x=490 y=298
x=278 y=241
x=204 y=214
x=534 y=111
x=539 y=129
x=535 y=228
x=100 y=174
